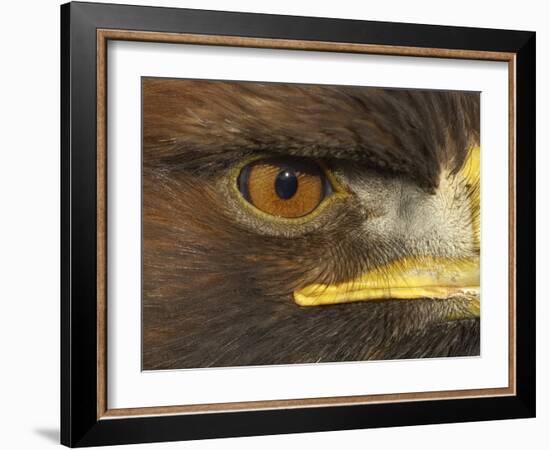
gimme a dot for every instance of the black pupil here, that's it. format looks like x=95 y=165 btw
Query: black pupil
x=286 y=184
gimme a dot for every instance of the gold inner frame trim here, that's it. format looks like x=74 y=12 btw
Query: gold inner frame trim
x=103 y=36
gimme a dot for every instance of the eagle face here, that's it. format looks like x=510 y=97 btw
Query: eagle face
x=297 y=223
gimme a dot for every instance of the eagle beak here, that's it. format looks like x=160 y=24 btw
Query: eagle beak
x=406 y=278
x=412 y=277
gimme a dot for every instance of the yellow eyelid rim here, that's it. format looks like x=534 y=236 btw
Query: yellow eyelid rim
x=338 y=192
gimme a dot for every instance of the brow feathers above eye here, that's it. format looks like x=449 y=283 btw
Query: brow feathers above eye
x=202 y=124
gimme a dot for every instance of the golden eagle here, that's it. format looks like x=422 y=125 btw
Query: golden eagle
x=292 y=223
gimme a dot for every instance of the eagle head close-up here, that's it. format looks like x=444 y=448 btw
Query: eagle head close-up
x=294 y=223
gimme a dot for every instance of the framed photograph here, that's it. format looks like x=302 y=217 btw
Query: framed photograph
x=276 y=224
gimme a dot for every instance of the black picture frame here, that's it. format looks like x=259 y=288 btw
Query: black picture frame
x=80 y=425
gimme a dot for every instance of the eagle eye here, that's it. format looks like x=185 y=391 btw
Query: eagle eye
x=284 y=187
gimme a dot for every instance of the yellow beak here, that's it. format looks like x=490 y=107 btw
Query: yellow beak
x=408 y=278
x=411 y=277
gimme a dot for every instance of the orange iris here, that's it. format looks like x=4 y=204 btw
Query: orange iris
x=288 y=188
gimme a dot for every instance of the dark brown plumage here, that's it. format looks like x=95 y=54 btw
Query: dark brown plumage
x=217 y=285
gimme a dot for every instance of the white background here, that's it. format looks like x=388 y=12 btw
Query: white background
x=129 y=387
x=29 y=238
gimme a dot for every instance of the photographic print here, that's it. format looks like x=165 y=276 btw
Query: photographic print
x=298 y=223
x=274 y=224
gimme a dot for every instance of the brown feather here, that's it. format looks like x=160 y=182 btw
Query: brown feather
x=216 y=293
